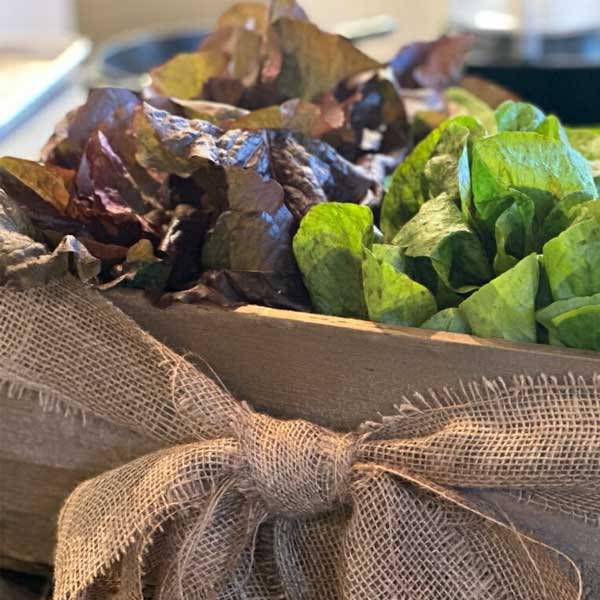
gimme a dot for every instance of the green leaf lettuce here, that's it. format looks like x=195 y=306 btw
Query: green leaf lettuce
x=531 y=163
x=391 y=295
x=449 y=319
x=329 y=250
x=572 y=260
x=574 y=322
x=505 y=307
x=439 y=233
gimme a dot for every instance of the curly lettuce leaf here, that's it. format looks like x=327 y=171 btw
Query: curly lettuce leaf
x=329 y=251
x=392 y=296
x=572 y=260
x=439 y=233
x=505 y=307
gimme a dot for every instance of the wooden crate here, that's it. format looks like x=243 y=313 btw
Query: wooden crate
x=337 y=372
x=334 y=371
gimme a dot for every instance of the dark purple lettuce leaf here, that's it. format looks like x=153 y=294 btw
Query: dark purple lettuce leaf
x=252 y=242
x=311 y=172
x=111 y=111
x=299 y=174
x=249 y=149
x=49 y=196
x=315 y=62
x=182 y=245
x=343 y=181
x=102 y=173
x=225 y=89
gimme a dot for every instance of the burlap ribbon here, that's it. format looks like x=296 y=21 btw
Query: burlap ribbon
x=240 y=505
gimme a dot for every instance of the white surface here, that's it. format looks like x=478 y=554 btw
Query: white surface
x=41 y=16
x=27 y=139
x=30 y=69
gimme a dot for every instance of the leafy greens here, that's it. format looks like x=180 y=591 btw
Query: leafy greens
x=279 y=164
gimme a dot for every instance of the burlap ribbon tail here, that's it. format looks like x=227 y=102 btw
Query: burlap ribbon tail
x=240 y=505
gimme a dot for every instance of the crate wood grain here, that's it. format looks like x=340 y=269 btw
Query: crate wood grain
x=337 y=372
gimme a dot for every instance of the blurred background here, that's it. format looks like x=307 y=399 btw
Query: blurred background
x=546 y=50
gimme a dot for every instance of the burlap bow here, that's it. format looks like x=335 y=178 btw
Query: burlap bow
x=240 y=505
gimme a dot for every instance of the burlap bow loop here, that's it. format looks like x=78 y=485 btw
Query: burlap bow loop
x=242 y=506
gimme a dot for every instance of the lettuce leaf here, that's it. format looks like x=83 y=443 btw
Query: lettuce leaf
x=551 y=127
x=392 y=296
x=315 y=62
x=439 y=233
x=450 y=319
x=574 y=322
x=518 y=116
x=572 y=260
x=566 y=212
x=252 y=240
x=390 y=254
x=531 y=163
x=184 y=75
x=505 y=307
x=329 y=251
x=442 y=172
x=514 y=232
x=406 y=194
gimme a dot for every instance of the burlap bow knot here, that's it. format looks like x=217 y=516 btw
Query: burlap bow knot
x=238 y=505
x=295 y=468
